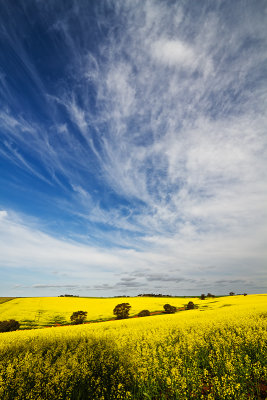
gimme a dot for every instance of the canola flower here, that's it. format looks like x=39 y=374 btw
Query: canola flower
x=216 y=352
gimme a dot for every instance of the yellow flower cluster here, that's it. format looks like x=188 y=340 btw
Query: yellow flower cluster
x=214 y=352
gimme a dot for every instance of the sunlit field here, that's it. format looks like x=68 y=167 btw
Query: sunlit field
x=39 y=312
x=5 y=299
x=217 y=351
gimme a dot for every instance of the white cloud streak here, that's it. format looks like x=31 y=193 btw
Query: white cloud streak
x=183 y=258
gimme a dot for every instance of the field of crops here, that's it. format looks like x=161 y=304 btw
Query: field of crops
x=5 y=299
x=215 y=352
x=39 y=312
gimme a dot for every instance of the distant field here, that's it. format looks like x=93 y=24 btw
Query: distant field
x=37 y=312
x=216 y=352
x=5 y=299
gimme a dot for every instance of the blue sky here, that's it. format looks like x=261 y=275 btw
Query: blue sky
x=132 y=147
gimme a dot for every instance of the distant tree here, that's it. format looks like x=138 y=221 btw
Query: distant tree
x=122 y=310
x=245 y=294
x=8 y=326
x=169 y=309
x=144 y=313
x=231 y=294
x=202 y=297
x=190 y=306
x=78 y=317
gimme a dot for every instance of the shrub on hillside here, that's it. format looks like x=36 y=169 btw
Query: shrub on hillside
x=169 y=309
x=144 y=313
x=122 y=310
x=8 y=326
x=190 y=306
x=78 y=317
x=202 y=297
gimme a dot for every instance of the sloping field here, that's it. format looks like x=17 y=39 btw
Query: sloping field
x=38 y=312
x=214 y=354
x=5 y=299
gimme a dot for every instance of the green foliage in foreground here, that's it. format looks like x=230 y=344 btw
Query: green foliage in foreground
x=128 y=360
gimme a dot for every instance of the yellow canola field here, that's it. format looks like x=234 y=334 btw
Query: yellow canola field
x=44 y=311
x=215 y=353
x=210 y=311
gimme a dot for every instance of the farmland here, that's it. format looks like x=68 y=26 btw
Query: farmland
x=217 y=351
x=37 y=312
x=5 y=299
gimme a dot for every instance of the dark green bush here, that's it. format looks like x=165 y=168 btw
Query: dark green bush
x=190 y=306
x=144 y=313
x=8 y=326
x=78 y=317
x=169 y=309
x=122 y=310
